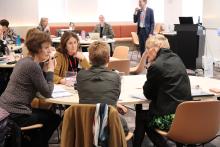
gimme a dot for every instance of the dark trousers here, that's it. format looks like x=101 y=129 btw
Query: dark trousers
x=50 y=122
x=142 y=35
x=142 y=120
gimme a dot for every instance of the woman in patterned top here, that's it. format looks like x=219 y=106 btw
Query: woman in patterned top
x=26 y=80
x=8 y=33
x=43 y=26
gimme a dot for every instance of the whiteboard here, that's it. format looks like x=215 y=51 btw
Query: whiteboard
x=211 y=13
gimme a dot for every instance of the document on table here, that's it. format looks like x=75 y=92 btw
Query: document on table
x=198 y=92
x=137 y=93
x=60 y=92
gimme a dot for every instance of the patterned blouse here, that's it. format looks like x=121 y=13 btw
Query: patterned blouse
x=10 y=36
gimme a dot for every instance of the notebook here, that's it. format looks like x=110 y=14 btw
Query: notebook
x=94 y=36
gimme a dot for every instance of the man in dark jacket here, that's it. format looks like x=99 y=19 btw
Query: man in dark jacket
x=167 y=86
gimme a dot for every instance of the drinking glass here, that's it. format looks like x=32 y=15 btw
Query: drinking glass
x=70 y=78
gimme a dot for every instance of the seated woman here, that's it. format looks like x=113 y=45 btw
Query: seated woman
x=167 y=86
x=26 y=80
x=8 y=33
x=43 y=25
x=3 y=44
x=30 y=32
x=98 y=84
x=68 y=57
x=142 y=64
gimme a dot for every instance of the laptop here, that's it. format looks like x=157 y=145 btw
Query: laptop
x=186 y=20
x=94 y=36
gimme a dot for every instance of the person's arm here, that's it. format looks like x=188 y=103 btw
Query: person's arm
x=84 y=63
x=135 y=16
x=152 y=22
x=43 y=84
x=110 y=32
x=12 y=35
x=150 y=87
x=57 y=70
x=96 y=29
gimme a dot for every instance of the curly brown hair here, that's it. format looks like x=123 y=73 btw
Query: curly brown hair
x=34 y=42
x=66 y=36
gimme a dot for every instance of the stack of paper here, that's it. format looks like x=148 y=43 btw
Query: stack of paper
x=60 y=92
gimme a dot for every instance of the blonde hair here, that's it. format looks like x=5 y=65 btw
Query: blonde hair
x=157 y=40
x=99 y=53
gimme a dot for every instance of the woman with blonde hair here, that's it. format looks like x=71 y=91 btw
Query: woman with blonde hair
x=162 y=42
x=166 y=87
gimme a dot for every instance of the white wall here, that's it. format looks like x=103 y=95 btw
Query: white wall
x=19 y=12
x=211 y=19
x=172 y=11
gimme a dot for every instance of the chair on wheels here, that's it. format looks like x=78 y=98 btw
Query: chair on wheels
x=77 y=129
x=195 y=123
x=135 y=42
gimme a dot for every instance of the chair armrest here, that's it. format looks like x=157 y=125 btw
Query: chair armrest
x=35 y=126
x=163 y=133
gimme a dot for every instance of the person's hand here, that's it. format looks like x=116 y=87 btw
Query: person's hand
x=79 y=55
x=151 y=54
x=52 y=51
x=121 y=109
x=136 y=10
x=63 y=81
x=51 y=64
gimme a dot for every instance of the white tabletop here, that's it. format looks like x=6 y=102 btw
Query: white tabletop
x=86 y=41
x=132 y=92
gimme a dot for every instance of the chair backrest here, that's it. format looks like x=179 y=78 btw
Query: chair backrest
x=135 y=39
x=121 y=52
x=141 y=65
x=195 y=122
x=122 y=65
x=158 y=28
x=78 y=122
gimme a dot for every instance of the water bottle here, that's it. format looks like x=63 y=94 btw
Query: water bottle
x=18 y=40
x=83 y=35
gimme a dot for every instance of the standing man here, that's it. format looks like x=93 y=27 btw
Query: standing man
x=144 y=17
x=166 y=87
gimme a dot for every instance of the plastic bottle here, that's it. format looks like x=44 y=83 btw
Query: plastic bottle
x=83 y=35
x=18 y=40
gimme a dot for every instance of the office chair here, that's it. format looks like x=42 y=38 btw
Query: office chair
x=77 y=129
x=121 y=52
x=135 y=42
x=195 y=123
x=121 y=65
